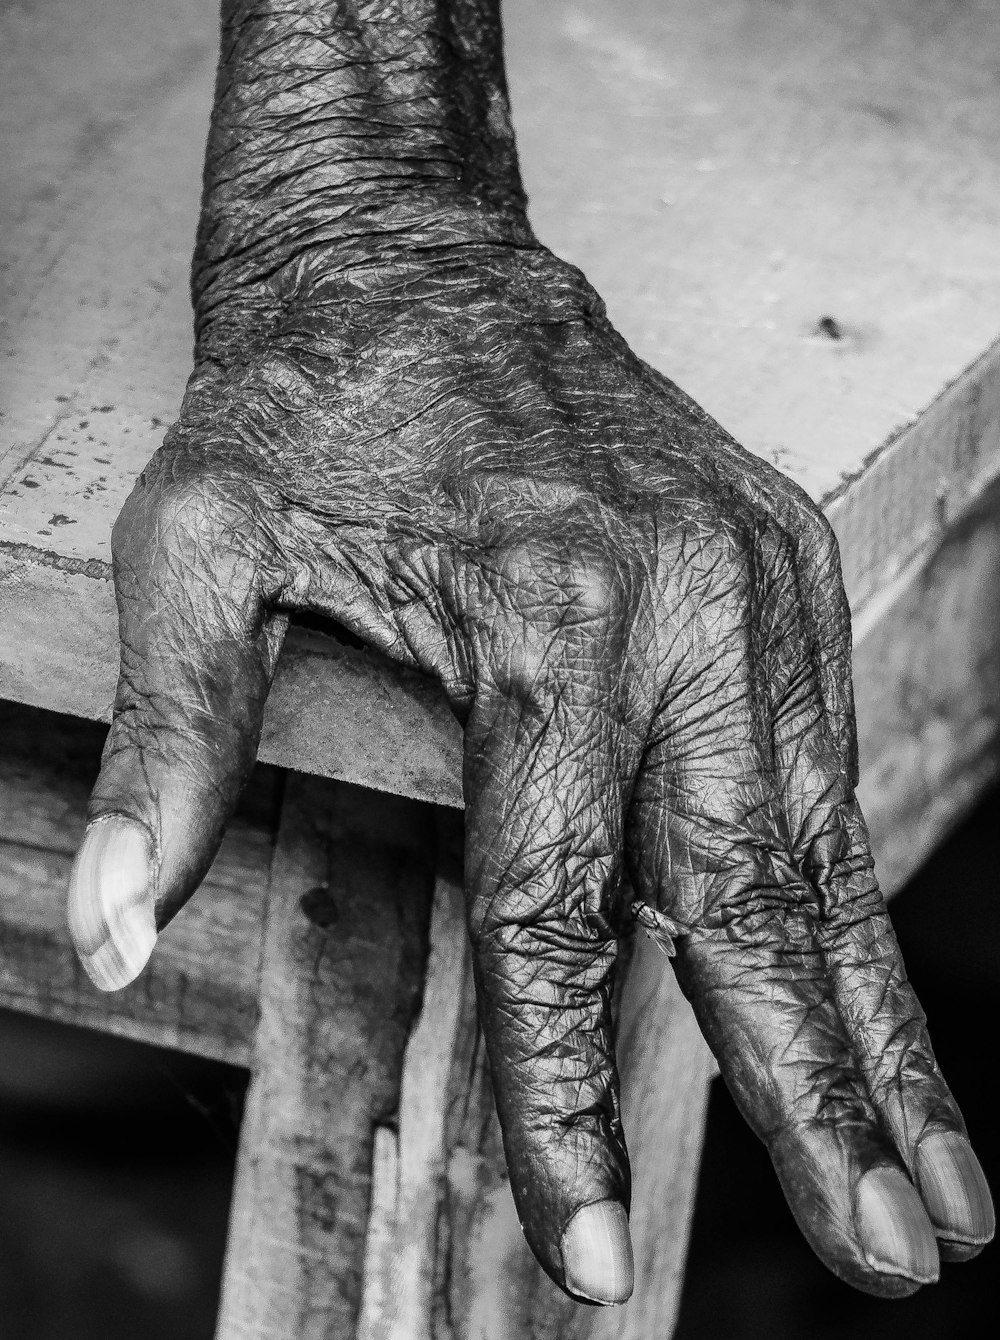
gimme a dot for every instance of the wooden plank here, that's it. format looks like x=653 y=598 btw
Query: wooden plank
x=857 y=140
x=335 y=709
x=729 y=172
x=340 y=984
x=410 y=1156
x=916 y=492
x=929 y=708
x=200 y=994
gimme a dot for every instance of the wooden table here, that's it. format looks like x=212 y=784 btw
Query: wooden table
x=792 y=210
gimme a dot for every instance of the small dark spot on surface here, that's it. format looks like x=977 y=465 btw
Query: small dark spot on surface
x=319 y=906
x=102 y=409
x=941 y=499
x=61 y=519
x=102 y=460
x=829 y=327
x=156 y=422
x=31 y=483
x=49 y=460
x=44 y=532
x=889 y=116
x=63 y=399
x=84 y=423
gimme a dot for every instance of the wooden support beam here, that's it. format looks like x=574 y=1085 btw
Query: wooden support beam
x=340 y=984
x=926 y=672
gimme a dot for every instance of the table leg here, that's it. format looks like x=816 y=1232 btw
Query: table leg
x=340 y=982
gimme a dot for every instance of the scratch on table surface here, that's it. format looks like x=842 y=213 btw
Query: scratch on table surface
x=47 y=558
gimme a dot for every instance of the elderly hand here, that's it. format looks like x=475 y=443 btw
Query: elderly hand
x=438 y=440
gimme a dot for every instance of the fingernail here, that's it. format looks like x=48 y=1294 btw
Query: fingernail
x=954 y=1189
x=111 y=898
x=597 y=1253
x=893 y=1229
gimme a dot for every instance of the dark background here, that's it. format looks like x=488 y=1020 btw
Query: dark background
x=116 y=1166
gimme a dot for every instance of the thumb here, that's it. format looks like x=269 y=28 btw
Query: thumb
x=195 y=579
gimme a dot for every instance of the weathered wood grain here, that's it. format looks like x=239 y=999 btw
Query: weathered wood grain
x=928 y=675
x=410 y=1156
x=341 y=977
x=729 y=172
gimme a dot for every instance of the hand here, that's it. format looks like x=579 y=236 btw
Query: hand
x=644 y=631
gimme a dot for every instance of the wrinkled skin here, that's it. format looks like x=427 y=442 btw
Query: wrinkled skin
x=446 y=447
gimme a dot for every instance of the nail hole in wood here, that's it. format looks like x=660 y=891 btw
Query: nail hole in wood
x=319 y=906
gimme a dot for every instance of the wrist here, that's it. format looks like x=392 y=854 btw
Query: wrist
x=355 y=132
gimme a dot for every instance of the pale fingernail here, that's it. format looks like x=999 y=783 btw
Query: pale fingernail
x=111 y=897
x=597 y=1253
x=893 y=1229
x=954 y=1189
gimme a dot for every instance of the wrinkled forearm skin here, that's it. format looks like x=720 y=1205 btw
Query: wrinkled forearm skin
x=407 y=415
x=357 y=129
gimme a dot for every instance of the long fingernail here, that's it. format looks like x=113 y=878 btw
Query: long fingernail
x=597 y=1253
x=111 y=898
x=893 y=1229
x=954 y=1189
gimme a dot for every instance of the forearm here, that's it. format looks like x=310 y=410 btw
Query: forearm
x=346 y=123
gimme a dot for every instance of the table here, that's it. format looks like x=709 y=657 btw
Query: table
x=793 y=211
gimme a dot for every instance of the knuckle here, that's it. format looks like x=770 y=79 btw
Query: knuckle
x=178 y=527
x=578 y=576
x=717 y=540
x=560 y=609
x=711 y=575
x=811 y=533
x=193 y=515
x=821 y=545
